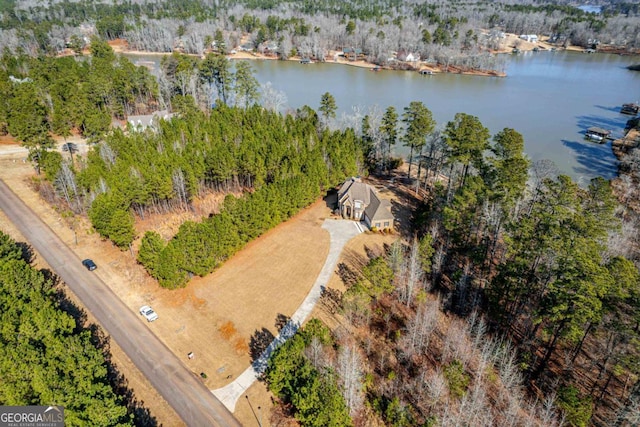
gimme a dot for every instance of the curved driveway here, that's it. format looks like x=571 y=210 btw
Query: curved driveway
x=184 y=391
x=340 y=231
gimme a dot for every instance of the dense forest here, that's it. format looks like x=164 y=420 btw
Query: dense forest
x=45 y=357
x=459 y=33
x=283 y=163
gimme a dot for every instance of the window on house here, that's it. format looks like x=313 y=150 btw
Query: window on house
x=386 y=224
x=377 y=225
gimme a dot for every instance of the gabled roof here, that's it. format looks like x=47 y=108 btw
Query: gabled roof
x=598 y=130
x=378 y=210
x=354 y=189
x=346 y=186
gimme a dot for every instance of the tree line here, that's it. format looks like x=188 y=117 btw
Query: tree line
x=198 y=248
x=449 y=33
x=295 y=168
x=45 y=357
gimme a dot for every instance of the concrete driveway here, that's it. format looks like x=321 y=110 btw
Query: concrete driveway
x=340 y=232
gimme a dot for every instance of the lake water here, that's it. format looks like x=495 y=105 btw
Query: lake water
x=549 y=97
x=590 y=8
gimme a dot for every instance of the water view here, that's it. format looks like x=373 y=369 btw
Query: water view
x=590 y=8
x=549 y=97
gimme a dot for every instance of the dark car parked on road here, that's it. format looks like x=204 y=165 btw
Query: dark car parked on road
x=89 y=264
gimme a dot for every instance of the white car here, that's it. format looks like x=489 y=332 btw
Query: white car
x=148 y=313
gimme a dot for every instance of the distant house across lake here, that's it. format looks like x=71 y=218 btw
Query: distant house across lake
x=351 y=53
x=246 y=47
x=532 y=38
x=268 y=48
x=407 y=56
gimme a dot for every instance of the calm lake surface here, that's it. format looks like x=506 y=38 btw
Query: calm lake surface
x=549 y=97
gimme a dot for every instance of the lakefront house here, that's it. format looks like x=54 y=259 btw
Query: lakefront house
x=360 y=202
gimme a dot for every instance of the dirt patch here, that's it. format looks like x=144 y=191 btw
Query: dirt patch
x=167 y=224
x=7 y=140
x=119 y=45
x=513 y=41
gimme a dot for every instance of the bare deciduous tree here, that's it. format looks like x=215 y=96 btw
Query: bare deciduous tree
x=107 y=154
x=414 y=277
x=350 y=371
x=316 y=354
x=273 y=99
x=180 y=187
x=420 y=327
x=65 y=182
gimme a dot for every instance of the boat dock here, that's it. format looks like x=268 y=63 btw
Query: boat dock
x=630 y=109
x=597 y=134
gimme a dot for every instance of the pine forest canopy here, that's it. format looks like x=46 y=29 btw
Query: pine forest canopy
x=44 y=94
x=282 y=159
x=45 y=357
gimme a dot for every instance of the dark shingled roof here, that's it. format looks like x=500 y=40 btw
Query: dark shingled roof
x=376 y=209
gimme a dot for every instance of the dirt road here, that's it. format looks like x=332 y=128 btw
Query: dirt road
x=193 y=402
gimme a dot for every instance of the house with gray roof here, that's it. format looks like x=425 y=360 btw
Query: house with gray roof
x=361 y=202
x=140 y=123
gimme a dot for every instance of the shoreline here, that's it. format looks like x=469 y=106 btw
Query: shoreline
x=510 y=43
x=436 y=69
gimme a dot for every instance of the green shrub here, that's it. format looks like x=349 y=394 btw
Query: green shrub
x=457 y=379
x=577 y=408
x=111 y=217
